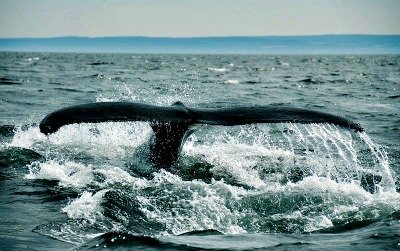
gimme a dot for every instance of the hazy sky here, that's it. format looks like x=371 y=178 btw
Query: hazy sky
x=49 y=18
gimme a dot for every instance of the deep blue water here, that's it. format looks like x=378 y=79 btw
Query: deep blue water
x=282 y=186
x=317 y=44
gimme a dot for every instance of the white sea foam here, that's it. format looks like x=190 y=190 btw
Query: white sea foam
x=231 y=157
x=29 y=61
x=218 y=70
x=232 y=81
x=317 y=223
x=27 y=138
x=117 y=175
x=86 y=207
x=257 y=156
x=32 y=59
x=204 y=209
x=103 y=139
x=77 y=175
x=322 y=150
x=111 y=140
x=309 y=205
x=70 y=174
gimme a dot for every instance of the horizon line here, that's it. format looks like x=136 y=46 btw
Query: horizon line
x=199 y=37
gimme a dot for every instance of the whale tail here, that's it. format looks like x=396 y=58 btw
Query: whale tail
x=168 y=140
x=171 y=125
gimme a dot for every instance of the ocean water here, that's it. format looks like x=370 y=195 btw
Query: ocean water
x=260 y=186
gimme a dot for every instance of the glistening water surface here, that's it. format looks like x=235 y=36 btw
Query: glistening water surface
x=257 y=186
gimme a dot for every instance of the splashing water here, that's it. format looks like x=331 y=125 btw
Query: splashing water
x=256 y=179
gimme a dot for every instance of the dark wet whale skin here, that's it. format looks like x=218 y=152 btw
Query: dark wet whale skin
x=171 y=124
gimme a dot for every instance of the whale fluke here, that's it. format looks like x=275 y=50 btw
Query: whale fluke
x=171 y=125
x=112 y=111
x=268 y=114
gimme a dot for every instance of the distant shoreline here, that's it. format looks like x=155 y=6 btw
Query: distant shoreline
x=313 y=44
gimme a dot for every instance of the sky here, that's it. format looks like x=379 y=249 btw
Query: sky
x=196 y=18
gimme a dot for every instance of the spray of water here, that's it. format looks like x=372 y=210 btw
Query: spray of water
x=261 y=178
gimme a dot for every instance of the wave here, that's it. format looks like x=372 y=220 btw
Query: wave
x=9 y=81
x=245 y=187
x=129 y=241
x=284 y=178
x=309 y=81
x=18 y=157
x=218 y=70
x=67 y=89
x=232 y=81
x=252 y=82
x=382 y=234
x=7 y=130
x=101 y=63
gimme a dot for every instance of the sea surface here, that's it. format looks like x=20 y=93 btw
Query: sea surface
x=283 y=186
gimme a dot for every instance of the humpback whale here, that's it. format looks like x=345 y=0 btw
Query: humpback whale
x=171 y=124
